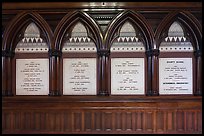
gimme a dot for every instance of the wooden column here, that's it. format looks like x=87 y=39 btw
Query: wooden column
x=7 y=56
x=104 y=57
x=99 y=68
x=198 y=90
x=149 y=72
x=4 y=74
x=54 y=72
x=155 y=72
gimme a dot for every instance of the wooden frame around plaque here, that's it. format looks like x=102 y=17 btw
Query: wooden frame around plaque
x=175 y=76
x=128 y=63
x=30 y=71
x=32 y=56
x=180 y=56
x=127 y=76
x=79 y=63
x=79 y=76
x=33 y=76
x=176 y=63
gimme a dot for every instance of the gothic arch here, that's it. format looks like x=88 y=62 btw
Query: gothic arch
x=187 y=20
x=69 y=21
x=19 y=21
x=193 y=31
x=134 y=18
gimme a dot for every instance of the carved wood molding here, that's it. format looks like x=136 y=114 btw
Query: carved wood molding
x=18 y=22
x=72 y=18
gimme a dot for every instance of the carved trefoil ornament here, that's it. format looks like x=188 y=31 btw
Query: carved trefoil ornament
x=31 y=42
x=127 y=40
x=176 y=40
x=79 y=40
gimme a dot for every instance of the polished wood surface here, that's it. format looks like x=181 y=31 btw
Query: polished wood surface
x=97 y=114
x=76 y=5
x=53 y=114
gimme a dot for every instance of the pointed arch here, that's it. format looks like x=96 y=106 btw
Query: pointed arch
x=19 y=22
x=175 y=30
x=187 y=20
x=134 y=18
x=32 y=31
x=69 y=20
x=79 y=30
x=127 y=29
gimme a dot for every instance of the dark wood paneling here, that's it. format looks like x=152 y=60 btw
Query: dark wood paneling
x=76 y=5
x=60 y=115
x=99 y=114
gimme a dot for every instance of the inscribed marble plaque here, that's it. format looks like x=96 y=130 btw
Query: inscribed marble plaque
x=175 y=76
x=127 y=76
x=32 y=76
x=79 y=76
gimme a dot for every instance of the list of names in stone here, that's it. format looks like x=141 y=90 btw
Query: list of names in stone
x=127 y=76
x=175 y=76
x=79 y=76
x=32 y=76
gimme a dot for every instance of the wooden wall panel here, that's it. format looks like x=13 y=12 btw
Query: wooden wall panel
x=98 y=121
x=95 y=117
x=170 y=121
x=31 y=122
x=160 y=121
x=67 y=121
x=108 y=121
x=98 y=114
x=199 y=119
x=77 y=121
x=118 y=121
x=87 y=121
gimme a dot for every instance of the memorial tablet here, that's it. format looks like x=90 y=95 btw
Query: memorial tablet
x=128 y=73
x=79 y=76
x=176 y=73
x=127 y=76
x=175 y=76
x=79 y=69
x=32 y=76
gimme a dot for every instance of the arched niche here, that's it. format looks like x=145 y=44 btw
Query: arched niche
x=27 y=39
x=179 y=42
x=129 y=37
x=140 y=23
x=18 y=25
x=79 y=45
x=67 y=23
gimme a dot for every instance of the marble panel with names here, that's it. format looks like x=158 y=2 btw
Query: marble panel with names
x=32 y=76
x=175 y=76
x=79 y=76
x=127 y=76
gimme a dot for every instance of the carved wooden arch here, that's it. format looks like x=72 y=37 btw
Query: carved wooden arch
x=187 y=20
x=136 y=19
x=69 y=20
x=194 y=29
x=18 y=23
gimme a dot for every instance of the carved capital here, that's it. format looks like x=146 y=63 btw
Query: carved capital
x=8 y=53
x=148 y=53
x=103 y=52
x=197 y=53
x=56 y=53
x=155 y=52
